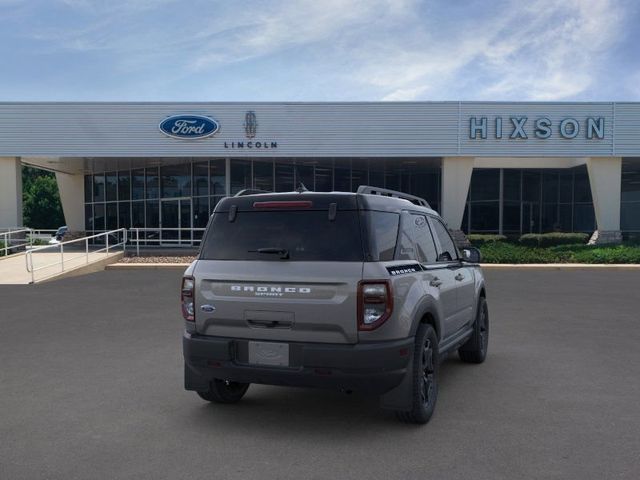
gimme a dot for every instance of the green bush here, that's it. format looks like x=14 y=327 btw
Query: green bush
x=503 y=252
x=608 y=254
x=1 y=249
x=553 y=239
x=481 y=239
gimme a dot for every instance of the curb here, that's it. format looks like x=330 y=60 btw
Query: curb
x=146 y=266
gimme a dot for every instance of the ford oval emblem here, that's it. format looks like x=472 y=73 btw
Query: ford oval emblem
x=189 y=126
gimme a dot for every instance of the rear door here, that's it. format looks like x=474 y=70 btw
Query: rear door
x=280 y=273
x=463 y=277
x=437 y=277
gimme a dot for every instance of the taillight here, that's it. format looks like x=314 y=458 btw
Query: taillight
x=186 y=298
x=375 y=303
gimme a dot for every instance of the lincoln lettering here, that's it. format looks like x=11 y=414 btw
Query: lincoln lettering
x=521 y=127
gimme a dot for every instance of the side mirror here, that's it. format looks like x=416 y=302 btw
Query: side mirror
x=471 y=255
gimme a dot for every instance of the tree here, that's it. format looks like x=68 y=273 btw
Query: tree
x=41 y=207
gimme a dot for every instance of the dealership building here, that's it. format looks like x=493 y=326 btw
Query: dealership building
x=487 y=167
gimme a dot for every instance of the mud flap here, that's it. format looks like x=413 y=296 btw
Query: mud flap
x=194 y=381
x=401 y=397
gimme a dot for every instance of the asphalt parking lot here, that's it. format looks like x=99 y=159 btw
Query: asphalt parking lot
x=91 y=387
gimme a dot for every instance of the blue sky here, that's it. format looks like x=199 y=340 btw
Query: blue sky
x=299 y=50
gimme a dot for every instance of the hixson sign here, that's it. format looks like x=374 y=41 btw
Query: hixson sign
x=543 y=127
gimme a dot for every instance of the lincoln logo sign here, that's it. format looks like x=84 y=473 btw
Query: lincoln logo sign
x=250 y=124
x=189 y=126
x=543 y=128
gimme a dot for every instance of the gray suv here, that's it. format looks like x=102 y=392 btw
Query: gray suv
x=362 y=292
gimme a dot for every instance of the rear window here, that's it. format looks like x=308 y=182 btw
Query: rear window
x=305 y=236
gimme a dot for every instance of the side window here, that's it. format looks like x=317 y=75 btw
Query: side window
x=407 y=240
x=416 y=242
x=424 y=240
x=448 y=248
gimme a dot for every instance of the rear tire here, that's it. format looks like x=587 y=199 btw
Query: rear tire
x=425 y=369
x=223 y=391
x=475 y=349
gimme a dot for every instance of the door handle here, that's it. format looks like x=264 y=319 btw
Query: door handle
x=436 y=282
x=459 y=277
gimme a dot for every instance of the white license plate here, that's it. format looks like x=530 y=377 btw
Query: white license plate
x=269 y=353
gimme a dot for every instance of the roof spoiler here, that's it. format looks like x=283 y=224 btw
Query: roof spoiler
x=250 y=191
x=366 y=189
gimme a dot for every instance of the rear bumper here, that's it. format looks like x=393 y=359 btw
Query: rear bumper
x=369 y=367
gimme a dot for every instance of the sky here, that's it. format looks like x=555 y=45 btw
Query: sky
x=319 y=50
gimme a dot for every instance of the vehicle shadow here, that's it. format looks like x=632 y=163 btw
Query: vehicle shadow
x=317 y=412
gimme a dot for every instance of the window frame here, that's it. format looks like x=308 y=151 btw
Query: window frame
x=439 y=247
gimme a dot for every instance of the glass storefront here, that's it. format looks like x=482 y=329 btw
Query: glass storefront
x=171 y=203
x=172 y=199
x=630 y=198
x=517 y=201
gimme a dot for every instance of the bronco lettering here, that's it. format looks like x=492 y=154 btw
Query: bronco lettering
x=269 y=289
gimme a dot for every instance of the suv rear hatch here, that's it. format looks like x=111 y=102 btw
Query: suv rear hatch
x=281 y=267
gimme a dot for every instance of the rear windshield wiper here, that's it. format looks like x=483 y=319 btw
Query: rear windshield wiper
x=283 y=252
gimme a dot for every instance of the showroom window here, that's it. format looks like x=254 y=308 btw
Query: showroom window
x=630 y=198
x=147 y=194
x=533 y=201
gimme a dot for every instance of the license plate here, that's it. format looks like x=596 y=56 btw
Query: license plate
x=269 y=353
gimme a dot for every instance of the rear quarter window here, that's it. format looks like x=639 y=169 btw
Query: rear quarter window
x=383 y=234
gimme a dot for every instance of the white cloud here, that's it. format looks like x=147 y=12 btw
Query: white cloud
x=544 y=50
x=286 y=25
x=388 y=49
x=554 y=54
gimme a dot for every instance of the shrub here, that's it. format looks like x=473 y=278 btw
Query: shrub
x=482 y=239
x=607 y=254
x=503 y=252
x=1 y=249
x=553 y=239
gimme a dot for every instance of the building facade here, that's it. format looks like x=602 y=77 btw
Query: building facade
x=487 y=167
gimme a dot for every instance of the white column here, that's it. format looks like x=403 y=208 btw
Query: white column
x=10 y=192
x=456 y=177
x=605 y=178
x=71 y=189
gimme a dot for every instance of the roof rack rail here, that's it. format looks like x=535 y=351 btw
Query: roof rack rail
x=392 y=193
x=250 y=191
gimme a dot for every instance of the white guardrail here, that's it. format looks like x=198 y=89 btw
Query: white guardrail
x=165 y=237
x=22 y=237
x=19 y=235
x=60 y=247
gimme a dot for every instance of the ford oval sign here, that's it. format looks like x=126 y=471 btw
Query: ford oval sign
x=189 y=126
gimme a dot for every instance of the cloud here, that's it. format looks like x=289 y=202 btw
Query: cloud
x=285 y=25
x=544 y=50
x=555 y=53
x=395 y=50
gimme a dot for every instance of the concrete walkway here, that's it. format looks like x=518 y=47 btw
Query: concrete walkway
x=13 y=269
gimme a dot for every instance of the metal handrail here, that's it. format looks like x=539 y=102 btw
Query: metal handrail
x=160 y=240
x=30 y=235
x=60 y=246
x=7 y=238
